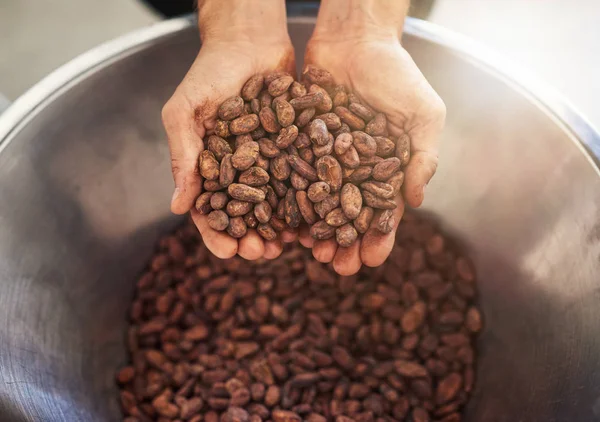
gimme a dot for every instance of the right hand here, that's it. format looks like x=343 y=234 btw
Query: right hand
x=219 y=72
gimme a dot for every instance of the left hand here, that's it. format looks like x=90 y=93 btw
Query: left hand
x=382 y=73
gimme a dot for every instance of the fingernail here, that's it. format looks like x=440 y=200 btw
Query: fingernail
x=175 y=195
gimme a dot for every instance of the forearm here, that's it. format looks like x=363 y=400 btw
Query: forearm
x=382 y=18
x=242 y=20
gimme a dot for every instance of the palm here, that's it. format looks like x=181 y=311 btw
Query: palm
x=219 y=72
x=383 y=74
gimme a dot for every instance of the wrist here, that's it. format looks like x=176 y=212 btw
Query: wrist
x=254 y=22
x=360 y=19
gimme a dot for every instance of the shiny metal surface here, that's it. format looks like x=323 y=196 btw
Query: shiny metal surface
x=84 y=192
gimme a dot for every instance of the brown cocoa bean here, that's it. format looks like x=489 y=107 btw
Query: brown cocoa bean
x=287 y=136
x=246 y=193
x=245 y=156
x=218 y=200
x=377 y=202
x=280 y=85
x=218 y=146
x=222 y=129
x=346 y=235
x=322 y=231
x=351 y=201
x=385 y=169
x=332 y=121
x=307 y=155
x=212 y=186
x=252 y=87
x=236 y=208
x=326 y=103
x=318 y=191
x=285 y=113
x=298 y=182
x=363 y=221
x=327 y=205
x=316 y=75
x=302 y=167
x=268 y=120
x=263 y=212
x=336 y=218
x=302 y=141
x=330 y=172
x=255 y=106
x=203 y=203
x=280 y=167
x=380 y=189
x=385 y=146
x=266 y=232
x=218 y=220
x=351 y=119
x=251 y=220
x=370 y=161
x=293 y=217
x=340 y=97
x=237 y=228
x=305 y=117
x=306 y=207
x=350 y=158
x=377 y=126
x=317 y=132
x=297 y=89
x=244 y=124
x=365 y=144
x=266 y=101
x=254 y=176
x=396 y=182
x=362 y=111
x=279 y=187
x=386 y=222
x=360 y=174
x=277 y=224
x=321 y=150
x=227 y=171
x=342 y=143
x=310 y=100
x=231 y=108
x=268 y=148
x=208 y=165
x=403 y=149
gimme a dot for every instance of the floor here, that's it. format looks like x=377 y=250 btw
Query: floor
x=558 y=42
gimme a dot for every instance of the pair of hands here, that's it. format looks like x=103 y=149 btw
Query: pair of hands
x=370 y=63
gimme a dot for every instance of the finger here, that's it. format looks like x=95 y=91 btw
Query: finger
x=417 y=174
x=251 y=246
x=273 y=248
x=376 y=246
x=347 y=260
x=324 y=250
x=219 y=243
x=185 y=145
x=288 y=236
x=305 y=238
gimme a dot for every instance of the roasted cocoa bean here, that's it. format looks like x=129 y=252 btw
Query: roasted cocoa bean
x=244 y=124
x=231 y=108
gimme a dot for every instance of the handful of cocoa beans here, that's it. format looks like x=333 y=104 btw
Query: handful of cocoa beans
x=285 y=152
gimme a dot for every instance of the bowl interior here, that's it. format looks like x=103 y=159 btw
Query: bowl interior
x=85 y=186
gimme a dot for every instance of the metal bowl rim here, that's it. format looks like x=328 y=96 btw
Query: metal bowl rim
x=554 y=104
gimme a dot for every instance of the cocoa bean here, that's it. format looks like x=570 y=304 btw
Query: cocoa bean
x=297 y=89
x=212 y=186
x=342 y=143
x=293 y=216
x=322 y=231
x=263 y=212
x=236 y=208
x=246 y=193
x=377 y=126
x=365 y=144
x=351 y=201
x=363 y=221
x=326 y=103
x=385 y=169
x=218 y=146
x=380 y=189
x=327 y=205
x=346 y=235
x=218 y=220
x=231 y=108
x=332 y=121
x=280 y=167
x=362 y=173
x=330 y=172
x=222 y=129
x=254 y=176
x=218 y=200
x=286 y=137
x=280 y=85
x=298 y=182
x=268 y=148
x=350 y=158
x=208 y=165
x=362 y=111
x=310 y=100
x=386 y=222
x=237 y=228
x=252 y=87
x=318 y=191
x=403 y=149
x=305 y=117
x=306 y=207
x=302 y=167
x=377 y=202
x=203 y=203
x=352 y=120
x=245 y=156
x=244 y=124
x=268 y=120
x=317 y=132
x=336 y=218
x=285 y=113
x=227 y=171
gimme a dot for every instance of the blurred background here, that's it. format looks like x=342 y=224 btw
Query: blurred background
x=556 y=40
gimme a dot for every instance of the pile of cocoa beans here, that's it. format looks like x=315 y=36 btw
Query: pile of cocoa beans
x=284 y=153
x=289 y=340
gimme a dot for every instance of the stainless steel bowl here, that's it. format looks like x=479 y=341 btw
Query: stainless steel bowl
x=85 y=188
